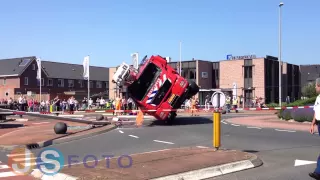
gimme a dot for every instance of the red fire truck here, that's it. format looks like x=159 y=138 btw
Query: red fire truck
x=156 y=86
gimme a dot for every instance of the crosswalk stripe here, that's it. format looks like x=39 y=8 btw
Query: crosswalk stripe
x=7 y=174
x=15 y=155
x=23 y=159
x=4 y=167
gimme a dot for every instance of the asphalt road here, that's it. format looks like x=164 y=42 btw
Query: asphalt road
x=277 y=149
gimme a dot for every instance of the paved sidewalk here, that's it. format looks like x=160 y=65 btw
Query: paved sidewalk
x=271 y=121
x=153 y=165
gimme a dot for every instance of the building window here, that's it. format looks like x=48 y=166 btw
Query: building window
x=33 y=67
x=70 y=83
x=42 y=82
x=60 y=83
x=91 y=84
x=50 y=82
x=248 y=72
x=81 y=83
x=26 y=82
x=99 y=84
x=4 y=81
x=192 y=74
x=107 y=85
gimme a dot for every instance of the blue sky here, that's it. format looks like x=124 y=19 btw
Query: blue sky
x=109 y=31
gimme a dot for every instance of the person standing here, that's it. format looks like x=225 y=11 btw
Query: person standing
x=316 y=121
x=71 y=104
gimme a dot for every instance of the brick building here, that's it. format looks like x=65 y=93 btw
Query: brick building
x=18 y=76
x=309 y=73
x=251 y=77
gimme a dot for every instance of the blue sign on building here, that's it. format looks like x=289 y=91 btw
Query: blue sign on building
x=229 y=57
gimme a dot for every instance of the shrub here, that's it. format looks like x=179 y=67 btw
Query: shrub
x=286 y=114
x=301 y=115
x=309 y=90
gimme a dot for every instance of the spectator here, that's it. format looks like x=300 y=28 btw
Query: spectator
x=316 y=121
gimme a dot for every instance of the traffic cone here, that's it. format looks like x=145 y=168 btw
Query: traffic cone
x=139 y=119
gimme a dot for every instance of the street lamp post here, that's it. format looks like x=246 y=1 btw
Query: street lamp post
x=280 y=65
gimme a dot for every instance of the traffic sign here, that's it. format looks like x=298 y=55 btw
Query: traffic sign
x=218 y=99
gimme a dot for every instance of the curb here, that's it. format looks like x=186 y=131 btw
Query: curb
x=59 y=140
x=215 y=171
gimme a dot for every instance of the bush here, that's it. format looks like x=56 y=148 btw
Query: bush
x=286 y=114
x=309 y=90
x=303 y=102
x=301 y=115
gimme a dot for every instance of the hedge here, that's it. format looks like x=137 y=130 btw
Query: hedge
x=300 y=115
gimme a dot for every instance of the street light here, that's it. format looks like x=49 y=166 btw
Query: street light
x=280 y=71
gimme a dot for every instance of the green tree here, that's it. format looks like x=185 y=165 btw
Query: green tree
x=309 y=90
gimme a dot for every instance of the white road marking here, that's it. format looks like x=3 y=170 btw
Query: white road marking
x=15 y=155
x=133 y=136
x=254 y=127
x=298 y=162
x=224 y=122
x=283 y=130
x=41 y=123
x=7 y=174
x=120 y=131
x=4 y=167
x=201 y=147
x=235 y=125
x=163 y=142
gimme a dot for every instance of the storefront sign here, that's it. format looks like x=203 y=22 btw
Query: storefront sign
x=204 y=75
x=230 y=57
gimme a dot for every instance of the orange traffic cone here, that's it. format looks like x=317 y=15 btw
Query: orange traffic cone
x=139 y=119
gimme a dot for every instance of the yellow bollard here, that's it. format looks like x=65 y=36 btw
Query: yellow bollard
x=216 y=129
x=51 y=108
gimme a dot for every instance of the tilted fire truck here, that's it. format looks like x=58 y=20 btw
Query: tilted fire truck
x=155 y=86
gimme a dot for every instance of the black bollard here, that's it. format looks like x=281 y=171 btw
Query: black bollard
x=60 y=128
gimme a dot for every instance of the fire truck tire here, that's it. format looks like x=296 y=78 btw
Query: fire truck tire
x=193 y=89
x=171 y=119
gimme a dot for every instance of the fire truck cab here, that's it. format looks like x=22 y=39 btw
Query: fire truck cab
x=156 y=87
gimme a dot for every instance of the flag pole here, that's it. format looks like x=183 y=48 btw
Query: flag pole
x=180 y=61
x=88 y=78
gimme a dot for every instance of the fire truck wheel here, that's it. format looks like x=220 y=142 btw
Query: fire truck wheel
x=170 y=120
x=193 y=89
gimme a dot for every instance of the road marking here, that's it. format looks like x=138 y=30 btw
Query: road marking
x=133 y=136
x=7 y=174
x=4 y=167
x=15 y=155
x=163 y=142
x=254 y=127
x=41 y=123
x=224 y=122
x=120 y=131
x=235 y=125
x=298 y=162
x=283 y=130
x=201 y=147
x=23 y=159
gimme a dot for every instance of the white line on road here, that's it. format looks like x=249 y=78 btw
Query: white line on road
x=201 y=147
x=4 y=167
x=7 y=174
x=224 y=122
x=235 y=125
x=15 y=155
x=163 y=142
x=283 y=130
x=41 y=123
x=120 y=131
x=254 y=127
x=133 y=136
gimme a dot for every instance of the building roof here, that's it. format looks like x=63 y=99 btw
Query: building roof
x=14 y=66
x=74 y=71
